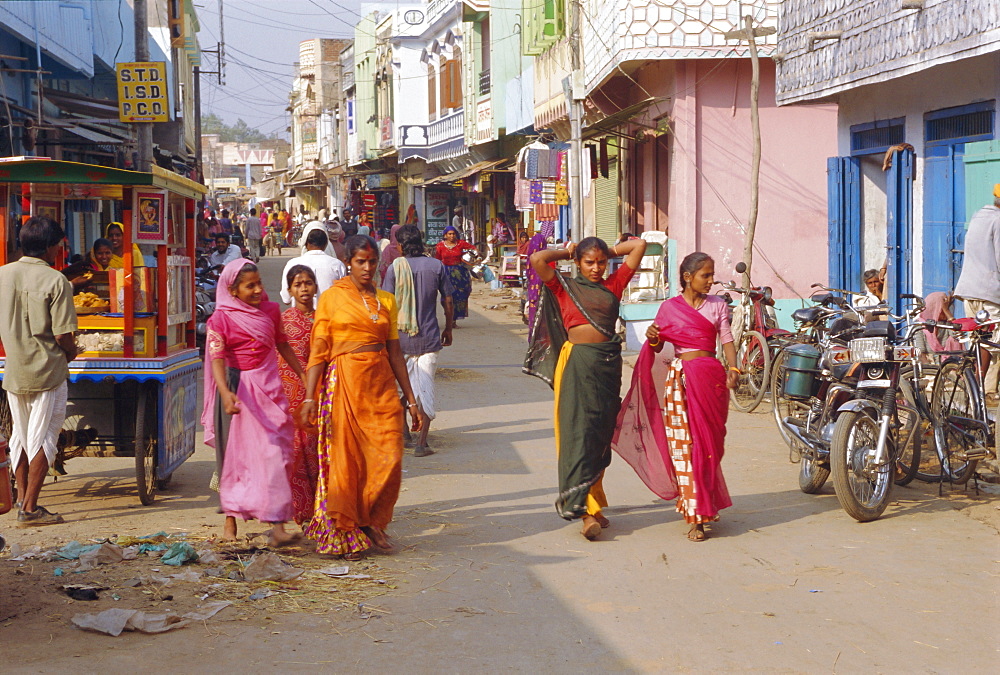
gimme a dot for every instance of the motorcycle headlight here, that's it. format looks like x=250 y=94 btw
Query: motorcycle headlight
x=876 y=373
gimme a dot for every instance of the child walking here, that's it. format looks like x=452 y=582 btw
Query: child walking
x=297 y=323
x=246 y=416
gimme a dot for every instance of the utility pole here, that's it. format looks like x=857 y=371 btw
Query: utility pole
x=576 y=127
x=749 y=33
x=144 y=130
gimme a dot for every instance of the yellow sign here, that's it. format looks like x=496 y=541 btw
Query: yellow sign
x=142 y=92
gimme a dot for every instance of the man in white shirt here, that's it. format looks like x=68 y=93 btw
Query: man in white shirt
x=224 y=252
x=327 y=268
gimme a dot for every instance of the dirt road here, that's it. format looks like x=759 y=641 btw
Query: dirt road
x=491 y=579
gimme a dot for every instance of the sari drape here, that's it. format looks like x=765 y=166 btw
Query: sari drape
x=360 y=420
x=641 y=438
x=305 y=463
x=587 y=382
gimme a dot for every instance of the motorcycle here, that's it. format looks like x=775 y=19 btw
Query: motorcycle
x=205 y=285
x=880 y=420
x=816 y=379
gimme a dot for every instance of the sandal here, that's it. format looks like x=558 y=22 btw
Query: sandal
x=697 y=532
x=354 y=556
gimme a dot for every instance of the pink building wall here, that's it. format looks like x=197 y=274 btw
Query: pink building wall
x=710 y=152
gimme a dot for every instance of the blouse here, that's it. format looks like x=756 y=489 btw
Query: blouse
x=571 y=315
x=451 y=256
x=240 y=350
x=343 y=321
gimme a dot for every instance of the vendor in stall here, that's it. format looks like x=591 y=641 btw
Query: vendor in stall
x=101 y=254
x=115 y=233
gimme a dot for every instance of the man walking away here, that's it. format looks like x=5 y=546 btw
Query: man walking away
x=979 y=283
x=254 y=235
x=327 y=268
x=417 y=281
x=37 y=322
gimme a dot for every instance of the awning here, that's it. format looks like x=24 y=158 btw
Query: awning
x=26 y=170
x=82 y=105
x=465 y=173
x=610 y=124
x=83 y=132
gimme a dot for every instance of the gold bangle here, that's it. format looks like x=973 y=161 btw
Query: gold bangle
x=735 y=369
x=654 y=344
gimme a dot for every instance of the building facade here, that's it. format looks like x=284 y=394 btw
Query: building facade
x=916 y=81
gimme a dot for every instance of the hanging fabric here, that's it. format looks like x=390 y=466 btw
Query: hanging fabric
x=604 y=158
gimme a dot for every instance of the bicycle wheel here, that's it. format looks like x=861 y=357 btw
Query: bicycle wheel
x=753 y=358
x=782 y=406
x=953 y=400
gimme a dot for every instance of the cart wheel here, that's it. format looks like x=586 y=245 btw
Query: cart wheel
x=145 y=446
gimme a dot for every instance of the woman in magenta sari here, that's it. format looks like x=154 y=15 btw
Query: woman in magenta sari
x=682 y=455
x=246 y=416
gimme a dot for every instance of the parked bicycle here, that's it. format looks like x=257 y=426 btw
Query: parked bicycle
x=758 y=340
x=964 y=430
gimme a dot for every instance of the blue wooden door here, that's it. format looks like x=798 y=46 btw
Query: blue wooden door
x=944 y=217
x=899 y=226
x=844 y=221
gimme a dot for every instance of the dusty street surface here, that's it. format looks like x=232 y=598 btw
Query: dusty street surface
x=491 y=579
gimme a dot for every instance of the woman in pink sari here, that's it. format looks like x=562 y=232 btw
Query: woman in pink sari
x=246 y=416
x=682 y=455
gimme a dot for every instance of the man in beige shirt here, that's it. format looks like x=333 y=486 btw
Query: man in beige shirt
x=37 y=322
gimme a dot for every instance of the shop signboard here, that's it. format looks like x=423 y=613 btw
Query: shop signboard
x=142 y=92
x=381 y=181
x=435 y=215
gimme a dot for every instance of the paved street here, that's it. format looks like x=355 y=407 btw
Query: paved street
x=491 y=579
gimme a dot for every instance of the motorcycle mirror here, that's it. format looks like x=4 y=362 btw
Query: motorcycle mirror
x=741 y=267
x=982 y=316
x=816 y=285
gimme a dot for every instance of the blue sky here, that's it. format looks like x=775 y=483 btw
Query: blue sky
x=262 y=44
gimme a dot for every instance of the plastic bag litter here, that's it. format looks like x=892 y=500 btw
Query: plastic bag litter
x=207 y=556
x=115 y=621
x=335 y=571
x=130 y=553
x=19 y=555
x=269 y=567
x=179 y=553
x=74 y=549
x=105 y=554
x=149 y=548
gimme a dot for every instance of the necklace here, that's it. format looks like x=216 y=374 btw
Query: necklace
x=378 y=306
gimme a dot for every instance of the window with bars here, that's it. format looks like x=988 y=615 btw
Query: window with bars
x=962 y=124
x=876 y=137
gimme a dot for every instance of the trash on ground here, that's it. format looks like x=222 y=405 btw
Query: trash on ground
x=469 y=610
x=261 y=594
x=269 y=567
x=104 y=554
x=115 y=621
x=83 y=591
x=207 y=556
x=337 y=571
x=179 y=553
x=74 y=549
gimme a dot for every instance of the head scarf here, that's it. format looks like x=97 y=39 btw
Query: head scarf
x=451 y=228
x=117 y=261
x=316 y=225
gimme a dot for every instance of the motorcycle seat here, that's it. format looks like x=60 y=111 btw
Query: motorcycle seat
x=806 y=314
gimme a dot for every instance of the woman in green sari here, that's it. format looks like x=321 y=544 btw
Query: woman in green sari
x=575 y=348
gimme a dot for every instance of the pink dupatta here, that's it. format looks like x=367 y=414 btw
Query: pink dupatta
x=640 y=438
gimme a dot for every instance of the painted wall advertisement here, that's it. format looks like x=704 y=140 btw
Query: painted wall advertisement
x=436 y=215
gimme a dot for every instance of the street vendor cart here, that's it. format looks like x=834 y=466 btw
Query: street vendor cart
x=133 y=390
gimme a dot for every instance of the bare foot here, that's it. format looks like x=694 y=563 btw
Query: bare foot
x=697 y=532
x=605 y=523
x=591 y=528
x=229 y=529
x=280 y=537
x=379 y=538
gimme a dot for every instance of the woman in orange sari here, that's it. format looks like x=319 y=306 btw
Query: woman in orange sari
x=355 y=352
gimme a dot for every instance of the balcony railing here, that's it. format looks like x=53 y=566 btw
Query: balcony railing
x=484 y=82
x=447 y=128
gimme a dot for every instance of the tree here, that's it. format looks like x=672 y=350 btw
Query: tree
x=241 y=132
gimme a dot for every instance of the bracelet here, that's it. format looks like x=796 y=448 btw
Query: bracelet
x=654 y=344
x=412 y=405
x=309 y=400
x=614 y=249
x=735 y=369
